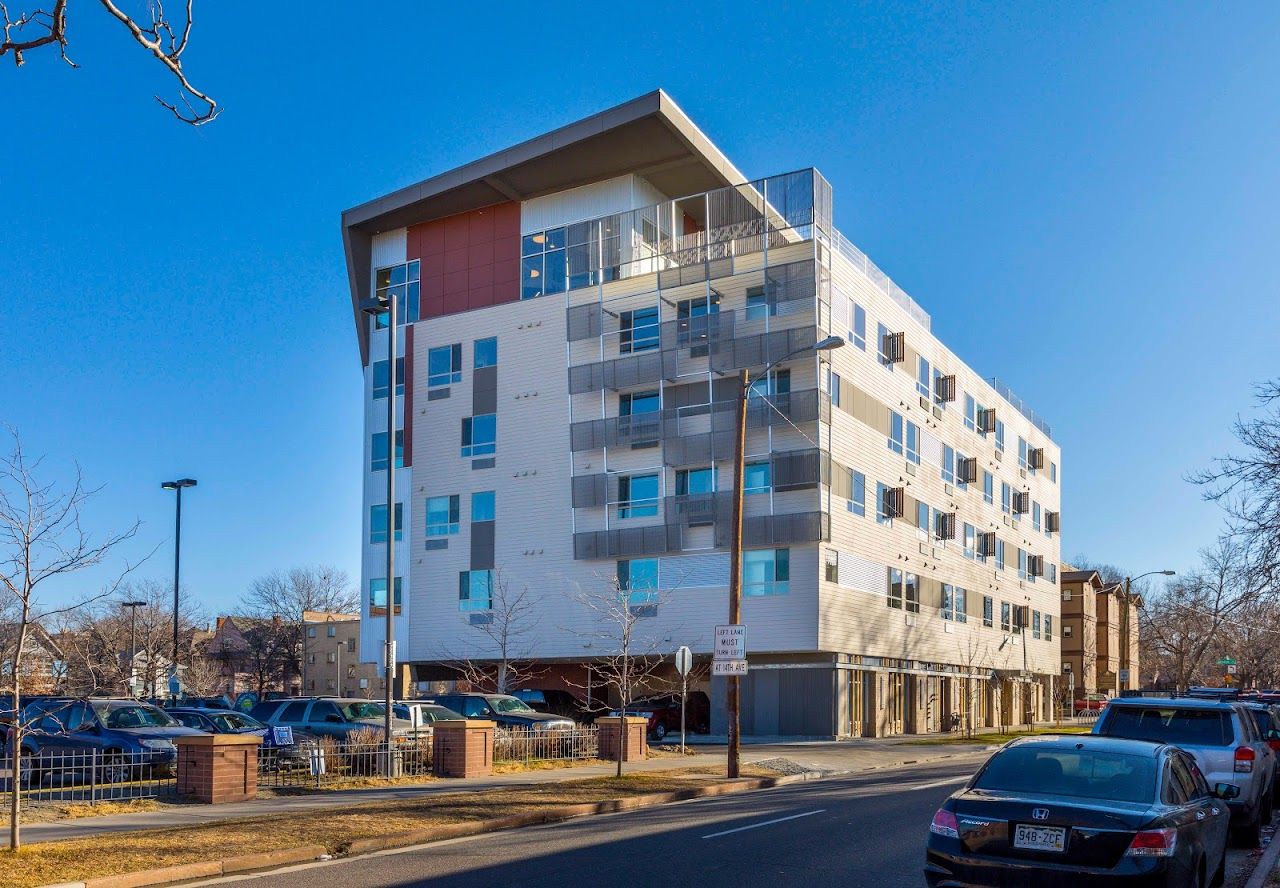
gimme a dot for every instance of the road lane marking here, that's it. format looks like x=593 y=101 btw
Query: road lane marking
x=765 y=823
x=911 y=787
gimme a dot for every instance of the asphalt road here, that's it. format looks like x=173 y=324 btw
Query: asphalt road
x=861 y=830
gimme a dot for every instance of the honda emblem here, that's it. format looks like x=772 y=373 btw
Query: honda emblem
x=1039 y=813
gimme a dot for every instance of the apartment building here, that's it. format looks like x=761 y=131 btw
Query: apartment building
x=1100 y=635
x=331 y=661
x=575 y=312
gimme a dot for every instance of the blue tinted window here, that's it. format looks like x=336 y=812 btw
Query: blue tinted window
x=486 y=352
x=483 y=506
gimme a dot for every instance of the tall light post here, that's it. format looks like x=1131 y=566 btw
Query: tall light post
x=735 y=547
x=374 y=306
x=133 y=635
x=1125 y=638
x=177 y=565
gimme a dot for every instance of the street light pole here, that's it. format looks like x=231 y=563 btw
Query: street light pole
x=732 y=696
x=376 y=306
x=133 y=635
x=176 y=486
x=1124 y=627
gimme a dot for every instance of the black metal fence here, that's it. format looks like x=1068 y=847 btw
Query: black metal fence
x=89 y=775
x=526 y=746
x=326 y=761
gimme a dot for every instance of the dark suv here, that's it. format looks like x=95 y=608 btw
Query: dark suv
x=337 y=717
x=506 y=710
x=121 y=736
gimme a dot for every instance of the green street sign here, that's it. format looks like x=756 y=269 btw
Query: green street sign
x=1226 y=661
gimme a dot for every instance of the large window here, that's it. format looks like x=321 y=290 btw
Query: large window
x=1006 y=617
x=882 y=505
x=399 y=282
x=638 y=577
x=857 y=493
x=486 y=352
x=954 y=603
x=882 y=332
x=759 y=305
x=639 y=330
x=924 y=380
x=1022 y=452
x=766 y=572
x=690 y=482
x=632 y=403
x=442 y=515
x=904 y=591
x=378 y=593
x=1035 y=516
x=988 y=488
x=859 y=332
x=378 y=523
x=382 y=380
x=970 y=538
x=948 y=464
x=757 y=477
x=1000 y=435
x=1000 y=553
x=475 y=590
x=480 y=434
x=1006 y=498
x=637 y=496
x=895 y=431
x=1048 y=627
x=1035 y=624
x=378 y=451
x=913 y=442
x=444 y=365
x=988 y=610
x=483 y=507
x=543 y=262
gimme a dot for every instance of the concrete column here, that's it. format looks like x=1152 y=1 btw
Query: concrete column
x=462 y=748
x=610 y=737
x=217 y=768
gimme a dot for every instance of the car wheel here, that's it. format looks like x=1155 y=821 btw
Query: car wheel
x=113 y=768
x=660 y=731
x=1249 y=835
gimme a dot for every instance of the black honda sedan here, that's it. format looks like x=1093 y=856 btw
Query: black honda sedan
x=1072 y=810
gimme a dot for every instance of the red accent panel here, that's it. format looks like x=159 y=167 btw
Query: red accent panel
x=408 y=396
x=471 y=260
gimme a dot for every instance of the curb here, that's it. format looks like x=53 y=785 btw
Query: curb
x=1265 y=864
x=286 y=856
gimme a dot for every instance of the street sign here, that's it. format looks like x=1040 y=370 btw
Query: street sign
x=730 y=644
x=728 y=667
x=1124 y=676
x=684 y=660
x=1232 y=669
x=1226 y=661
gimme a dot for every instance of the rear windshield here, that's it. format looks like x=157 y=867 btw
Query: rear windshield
x=133 y=716
x=1192 y=727
x=1263 y=718
x=1071 y=772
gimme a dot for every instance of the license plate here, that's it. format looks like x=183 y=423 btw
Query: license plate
x=1040 y=838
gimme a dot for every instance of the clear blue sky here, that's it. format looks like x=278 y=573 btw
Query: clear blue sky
x=1083 y=197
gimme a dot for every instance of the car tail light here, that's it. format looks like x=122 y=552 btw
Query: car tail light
x=1153 y=843
x=1244 y=759
x=944 y=824
x=1274 y=744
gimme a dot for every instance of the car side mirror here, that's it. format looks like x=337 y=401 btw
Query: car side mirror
x=1226 y=791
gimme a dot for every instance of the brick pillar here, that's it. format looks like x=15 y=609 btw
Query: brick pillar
x=462 y=748
x=216 y=768
x=610 y=737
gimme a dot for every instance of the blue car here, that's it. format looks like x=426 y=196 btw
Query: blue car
x=121 y=738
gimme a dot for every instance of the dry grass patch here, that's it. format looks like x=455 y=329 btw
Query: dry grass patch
x=991 y=737
x=76 y=860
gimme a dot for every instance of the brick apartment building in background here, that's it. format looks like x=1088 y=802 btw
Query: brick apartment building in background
x=331 y=657
x=574 y=313
x=1100 y=635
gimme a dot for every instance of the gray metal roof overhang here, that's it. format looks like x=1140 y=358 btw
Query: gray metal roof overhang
x=648 y=136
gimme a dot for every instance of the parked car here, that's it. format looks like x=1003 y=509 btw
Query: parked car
x=1089 y=703
x=127 y=736
x=1082 y=810
x=1267 y=717
x=663 y=712
x=283 y=747
x=422 y=715
x=337 y=717
x=560 y=702
x=506 y=710
x=1222 y=737
x=199 y=703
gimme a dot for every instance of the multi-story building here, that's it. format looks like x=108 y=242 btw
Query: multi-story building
x=1100 y=636
x=331 y=661
x=576 y=310
x=1080 y=591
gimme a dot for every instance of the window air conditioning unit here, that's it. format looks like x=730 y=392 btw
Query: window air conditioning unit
x=944 y=389
x=894 y=348
x=967 y=470
x=987 y=420
x=945 y=526
x=1052 y=522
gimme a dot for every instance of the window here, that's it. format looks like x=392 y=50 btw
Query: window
x=1035 y=624
x=988 y=611
x=543 y=263
x=882 y=334
x=378 y=523
x=922 y=519
x=970 y=535
x=637 y=496
x=913 y=442
x=1006 y=617
x=311 y=632
x=858 y=335
x=475 y=590
x=486 y=353
x=1066 y=631
x=941 y=382
x=831 y=566
x=757 y=477
x=638 y=330
x=399 y=282
x=690 y=482
x=948 y=464
x=1006 y=498
x=766 y=572
x=988 y=488
x=638 y=577
x=1066 y=594
x=632 y=403
x=381 y=381
x=378 y=451
x=1000 y=553
x=378 y=593
x=778 y=382
x=954 y=603
x=924 y=380
x=970 y=413
x=483 y=507
x=858 y=493
x=444 y=365
x=895 y=588
x=442 y=515
x=692 y=324
x=833 y=387
x=479 y=434
x=1051 y=571
x=882 y=504
x=1000 y=435
x=1053 y=472
x=911 y=586
x=895 y=431
x=332 y=631
x=1022 y=564
x=759 y=305
x=1022 y=453
x=1048 y=627
x=1035 y=516
x=904 y=591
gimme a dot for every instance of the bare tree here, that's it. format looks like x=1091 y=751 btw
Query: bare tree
x=975 y=654
x=498 y=654
x=165 y=39
x=284 y=598
x=41 y=538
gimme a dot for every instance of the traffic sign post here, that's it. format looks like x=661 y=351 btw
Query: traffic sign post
x=730 y=643
x=684 y=662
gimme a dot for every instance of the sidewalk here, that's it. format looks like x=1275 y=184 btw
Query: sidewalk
x=824 y=757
